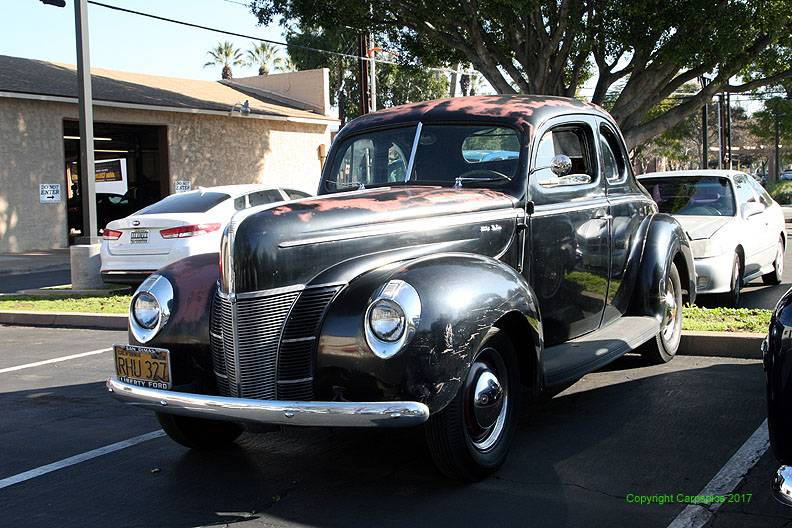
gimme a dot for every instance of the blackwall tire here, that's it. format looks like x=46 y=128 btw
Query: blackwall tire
x=665 y=344
x=731 y=299
x=200 y=434
x=466 y=439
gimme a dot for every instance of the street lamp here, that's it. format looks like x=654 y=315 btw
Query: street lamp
x=85 y=261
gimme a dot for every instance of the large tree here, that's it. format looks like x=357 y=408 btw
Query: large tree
x=396 y=84
x=226 y=55
x=644 y=50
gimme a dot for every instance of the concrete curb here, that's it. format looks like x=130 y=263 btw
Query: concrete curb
x=35 y=269
x=721 y=344
x=65 y=320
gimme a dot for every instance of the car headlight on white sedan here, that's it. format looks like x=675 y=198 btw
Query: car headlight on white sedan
x=705 y=248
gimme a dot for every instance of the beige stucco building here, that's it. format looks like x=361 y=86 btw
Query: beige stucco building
x=166 y=130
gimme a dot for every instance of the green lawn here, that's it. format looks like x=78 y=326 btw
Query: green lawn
x=112 y=304
x=725 y=319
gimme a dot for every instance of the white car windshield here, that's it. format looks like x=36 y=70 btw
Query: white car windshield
x=692 y=195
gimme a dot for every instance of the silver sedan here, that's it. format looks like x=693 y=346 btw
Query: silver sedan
x=736 y=229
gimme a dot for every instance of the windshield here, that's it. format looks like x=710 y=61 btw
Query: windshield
x=476 y=154
x=190 y=202
x=692 y=195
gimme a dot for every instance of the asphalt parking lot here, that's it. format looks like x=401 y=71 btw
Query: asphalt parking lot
x=625 y=430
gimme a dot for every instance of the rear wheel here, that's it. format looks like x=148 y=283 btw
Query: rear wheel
x=197 y=433
x=663 y=347
x=775 y=276
x=470 y=438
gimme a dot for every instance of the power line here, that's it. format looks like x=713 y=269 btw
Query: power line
x=270 y=41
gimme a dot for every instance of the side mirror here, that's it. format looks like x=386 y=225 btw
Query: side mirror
x=561 y=165
x=752 y=208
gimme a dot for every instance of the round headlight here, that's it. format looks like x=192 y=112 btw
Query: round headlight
x=146 y=310
x=387 y=320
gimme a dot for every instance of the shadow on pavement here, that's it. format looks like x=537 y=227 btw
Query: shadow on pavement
x=575 y=458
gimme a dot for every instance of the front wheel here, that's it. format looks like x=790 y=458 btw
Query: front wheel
x=198 y=433
x=663 y=347
x=731 y=299
x=775 y=276
x=470 y=438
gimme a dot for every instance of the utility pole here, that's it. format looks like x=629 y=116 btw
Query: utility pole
x=454 y=80
x=729 y=127
x=372 y=74
x=85 y=103
x=363 y=73
x=704 y=129
x=720 y=130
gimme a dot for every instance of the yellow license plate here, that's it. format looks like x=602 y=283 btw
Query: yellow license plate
x=143 y=366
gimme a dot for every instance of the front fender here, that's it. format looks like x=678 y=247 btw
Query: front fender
x=665 y=243
x=186 y=335
x=778 y=378
x=462 y=296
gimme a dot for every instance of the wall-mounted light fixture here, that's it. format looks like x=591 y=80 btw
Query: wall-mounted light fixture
x=244 y=108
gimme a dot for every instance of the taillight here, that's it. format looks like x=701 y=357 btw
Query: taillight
x=111 y=234
x=189 y=230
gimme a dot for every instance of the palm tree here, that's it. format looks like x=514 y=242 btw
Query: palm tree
x=287 y=65
x=227 y=55
x=263 y=55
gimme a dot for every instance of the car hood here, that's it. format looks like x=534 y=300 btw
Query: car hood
x=294 y=243
x=702 y=227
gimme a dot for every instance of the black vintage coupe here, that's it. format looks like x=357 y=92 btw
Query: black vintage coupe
x=459 y=251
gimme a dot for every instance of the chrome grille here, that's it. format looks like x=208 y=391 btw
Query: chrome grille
x=263 y=347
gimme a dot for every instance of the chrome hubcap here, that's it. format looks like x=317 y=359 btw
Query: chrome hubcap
x=670 y=312
x=486 y=400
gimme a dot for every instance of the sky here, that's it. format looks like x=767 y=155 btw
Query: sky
x=127 y=42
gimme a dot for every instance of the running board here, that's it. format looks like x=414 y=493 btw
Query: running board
x=569 y=361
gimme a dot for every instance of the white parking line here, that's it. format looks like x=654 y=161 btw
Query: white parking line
x=76 y=459
x=54 y=360
x=730 y=475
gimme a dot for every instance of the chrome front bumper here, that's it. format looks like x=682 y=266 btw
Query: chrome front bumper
x=305 y=413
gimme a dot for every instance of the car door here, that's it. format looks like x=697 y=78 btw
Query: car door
x=753 y=236
x=628 y=206
x=569 y=250
x=770 y=219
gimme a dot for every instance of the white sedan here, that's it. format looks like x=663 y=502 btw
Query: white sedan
x=736 y=229
x=176 y=227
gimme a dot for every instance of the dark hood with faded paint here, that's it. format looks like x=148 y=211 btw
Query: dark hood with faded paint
x=336 y=237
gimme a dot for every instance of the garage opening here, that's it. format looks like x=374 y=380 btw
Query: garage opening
x=131 y=171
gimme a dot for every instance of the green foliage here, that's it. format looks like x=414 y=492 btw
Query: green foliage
x=263 y=56
x=396 y=84
x=725 y=319
x=781 y=192
x=226 y=55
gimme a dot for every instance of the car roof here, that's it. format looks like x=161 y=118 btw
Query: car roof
x=514 y=110
x=236 y=190
x=723 y=173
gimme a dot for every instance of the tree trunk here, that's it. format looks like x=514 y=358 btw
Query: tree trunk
x=227 y=72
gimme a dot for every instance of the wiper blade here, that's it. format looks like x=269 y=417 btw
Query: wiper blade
x=459 y=180
x=347 y=185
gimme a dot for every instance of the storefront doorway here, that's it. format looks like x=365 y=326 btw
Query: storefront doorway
x=131 y=171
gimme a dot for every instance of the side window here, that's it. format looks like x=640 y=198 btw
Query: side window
x=264 y=197
x=294 y=194
x=614 y=165
x=743 y=191
x=760 y=191
x=573 y=141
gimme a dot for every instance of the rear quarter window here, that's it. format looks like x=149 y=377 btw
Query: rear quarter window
x=191 y=202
